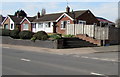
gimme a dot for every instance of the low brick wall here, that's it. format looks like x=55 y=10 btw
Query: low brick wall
x=57 y=44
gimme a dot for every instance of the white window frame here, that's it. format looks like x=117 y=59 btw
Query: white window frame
x=48 y=24
x=27 y=28
x=12 y=26
x=68 y=21
x=34 y=25
x=81 y=22
x=63 y=26
x=40 y=25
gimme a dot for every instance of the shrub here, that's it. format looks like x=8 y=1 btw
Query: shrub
x=33 y=39
x=25 y=35
x=55 y=36
x=5 y=32
x=41 y=35
x=14 y=34
x=68 y=35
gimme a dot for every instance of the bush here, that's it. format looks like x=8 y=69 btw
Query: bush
x=14 y=34
x=55 y=36
x=5 y=32
x=33 y=39
x=41 y=35
x=68 y=35
x=25 y=35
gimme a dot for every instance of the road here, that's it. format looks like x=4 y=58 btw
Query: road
x=21 y=62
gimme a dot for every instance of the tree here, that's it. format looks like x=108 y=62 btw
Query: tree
x=21 y=13
x=43 y=12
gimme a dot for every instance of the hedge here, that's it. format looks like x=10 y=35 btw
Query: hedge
x=25 y=34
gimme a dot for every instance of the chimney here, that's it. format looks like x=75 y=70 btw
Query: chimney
x=38 y=15
x=67 y=9
x=18 y=15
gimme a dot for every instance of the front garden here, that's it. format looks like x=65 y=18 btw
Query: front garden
x=28 y=38
x=28 y=35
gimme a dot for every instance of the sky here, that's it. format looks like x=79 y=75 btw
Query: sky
x=108 y=10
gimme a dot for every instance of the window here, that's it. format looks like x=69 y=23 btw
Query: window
x=25 y=27
x=81 y=22
x=64 y=24
x=48 y=24
x=40 y=25
x=6 y=26
x=68 y=21
x=64 y=16
x=11 y=26
x=34 y=25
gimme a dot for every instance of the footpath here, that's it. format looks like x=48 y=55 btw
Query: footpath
x=84 y=50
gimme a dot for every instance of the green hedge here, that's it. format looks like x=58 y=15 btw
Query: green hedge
x=41 y=35
x=5 y=32
x=25 y=34
x=15 y=34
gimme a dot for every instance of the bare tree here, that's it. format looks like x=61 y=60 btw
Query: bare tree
x=43 y=12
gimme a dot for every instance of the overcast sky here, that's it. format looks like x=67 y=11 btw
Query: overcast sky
x=108 y=10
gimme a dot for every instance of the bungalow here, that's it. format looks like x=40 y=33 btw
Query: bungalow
x=26 y=23
x=75 y=17
x=11 y=22
x=40 y=23
x=56 y=22
x=1 y=20
x=46 y=23
x=105 y=22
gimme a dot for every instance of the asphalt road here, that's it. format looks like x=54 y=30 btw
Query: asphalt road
x=19 y=62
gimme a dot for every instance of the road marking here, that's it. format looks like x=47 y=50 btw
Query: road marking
x=93 y=73
x=6 y=47
x=84 y=57
x=96 y=73
x=25 y=59
x=76 y=55
x=103 y=59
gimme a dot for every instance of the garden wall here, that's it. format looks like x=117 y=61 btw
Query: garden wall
x=57 y=44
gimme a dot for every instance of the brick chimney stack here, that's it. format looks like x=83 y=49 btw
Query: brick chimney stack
x=38 y=15
x=67 y=9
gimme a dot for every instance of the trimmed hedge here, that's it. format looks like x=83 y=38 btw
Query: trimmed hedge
x=5 y=32
x=41 y=35
x=25 y=34
x=15 y=34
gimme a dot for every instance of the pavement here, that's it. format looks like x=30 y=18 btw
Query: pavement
x=74 y=51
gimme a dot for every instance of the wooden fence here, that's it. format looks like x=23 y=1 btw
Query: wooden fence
x=91 y=30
